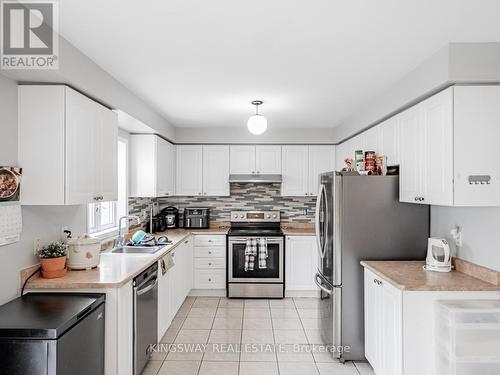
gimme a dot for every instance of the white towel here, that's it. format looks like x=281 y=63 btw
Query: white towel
x=250 y=254
x=263 y=254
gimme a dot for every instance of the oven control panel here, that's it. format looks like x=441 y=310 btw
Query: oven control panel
x=255 y=216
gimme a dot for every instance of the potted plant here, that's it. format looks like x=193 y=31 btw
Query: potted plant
x=53 y=259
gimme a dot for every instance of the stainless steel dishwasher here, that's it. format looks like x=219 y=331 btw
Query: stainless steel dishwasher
x=145 y=316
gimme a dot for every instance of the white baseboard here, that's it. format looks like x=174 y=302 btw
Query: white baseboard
x=222 y=293
x=302 y=293
x=207 y=292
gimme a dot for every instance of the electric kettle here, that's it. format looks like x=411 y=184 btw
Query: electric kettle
x=438 y=255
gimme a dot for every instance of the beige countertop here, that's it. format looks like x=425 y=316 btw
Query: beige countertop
x=115 y=270
x=294 y=229
x=409 y=276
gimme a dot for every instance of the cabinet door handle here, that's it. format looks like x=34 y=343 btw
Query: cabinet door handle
x=186 y=241
x=209 y=263
x=209 y=252
x=210 y=280
x=378 y=282
x=416 y=199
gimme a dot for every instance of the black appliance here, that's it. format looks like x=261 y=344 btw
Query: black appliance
x=266 y=282
x=196 y=218
x=171 y=215
x=145 y=316
x=158 y=223
x=53 y=334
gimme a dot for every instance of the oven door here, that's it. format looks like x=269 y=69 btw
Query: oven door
x=273 y=273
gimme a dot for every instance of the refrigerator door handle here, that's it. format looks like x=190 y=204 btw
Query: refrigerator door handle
x=320 y=285
x=321 y=246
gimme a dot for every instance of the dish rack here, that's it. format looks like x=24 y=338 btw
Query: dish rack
x=468 y=337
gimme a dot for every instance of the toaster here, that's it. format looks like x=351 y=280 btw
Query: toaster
x=196 y=217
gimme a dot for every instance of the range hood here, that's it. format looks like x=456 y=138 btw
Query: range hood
x=256 y=178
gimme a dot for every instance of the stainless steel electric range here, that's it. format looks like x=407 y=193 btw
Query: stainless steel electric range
x=266 y=279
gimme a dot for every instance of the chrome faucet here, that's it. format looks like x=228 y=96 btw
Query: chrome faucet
x=120 y=241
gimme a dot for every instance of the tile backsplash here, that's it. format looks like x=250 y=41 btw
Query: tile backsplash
x=244 y=197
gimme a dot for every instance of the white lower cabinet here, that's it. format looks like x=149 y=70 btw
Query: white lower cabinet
x=383 y=330
x=400 y=326
x=301 y=263
x=175 y=284
x=209 y=262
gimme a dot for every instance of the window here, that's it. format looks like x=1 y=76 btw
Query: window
x=103 y=217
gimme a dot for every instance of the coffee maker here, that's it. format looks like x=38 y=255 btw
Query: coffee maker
x=171 y=215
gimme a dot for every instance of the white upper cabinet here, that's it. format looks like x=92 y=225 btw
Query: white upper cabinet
x=427 y=151
x=216 y=170
x=268 y=159
x=384 y=139
x=476 y=134
x=152 y=166
x=410 y=181
x=295 y=171
x=242 y=159
x=202 y=170
x=189 y=180
x=262 y=159
x=302 y=166
x=165 y=168
x=106 y=166
x=388 y=140
x=437 y=151
x=67 y=147
x=321 y=159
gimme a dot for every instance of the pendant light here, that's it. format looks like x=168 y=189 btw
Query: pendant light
x=257 y=124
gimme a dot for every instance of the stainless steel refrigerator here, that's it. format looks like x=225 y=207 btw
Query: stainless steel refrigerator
x=359 y=218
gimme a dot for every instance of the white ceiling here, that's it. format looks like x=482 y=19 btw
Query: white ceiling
x=314 y=63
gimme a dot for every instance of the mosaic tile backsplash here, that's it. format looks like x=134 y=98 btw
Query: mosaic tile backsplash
x=244 y=197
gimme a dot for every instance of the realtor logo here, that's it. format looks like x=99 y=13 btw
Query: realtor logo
x=30 y=38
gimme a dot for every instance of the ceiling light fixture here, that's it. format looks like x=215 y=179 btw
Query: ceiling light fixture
x=257 y=124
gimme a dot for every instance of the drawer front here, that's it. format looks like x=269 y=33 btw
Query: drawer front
x=210 y=263
x=210 y=252
x=209 y=279
x=209 y=240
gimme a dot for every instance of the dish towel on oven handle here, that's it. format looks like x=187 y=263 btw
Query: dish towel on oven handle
x=263 y=253
x=250 y=254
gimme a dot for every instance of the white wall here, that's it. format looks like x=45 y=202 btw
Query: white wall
x=44 y=223
x=480 y=227
x=455 y=63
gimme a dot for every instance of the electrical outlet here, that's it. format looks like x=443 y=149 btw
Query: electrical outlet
x=457 y=235
x=37 y=244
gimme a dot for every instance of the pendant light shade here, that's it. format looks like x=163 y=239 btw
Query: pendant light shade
x=257 y=124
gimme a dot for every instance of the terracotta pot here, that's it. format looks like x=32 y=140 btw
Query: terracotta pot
x=53 y=264
x=53 y=274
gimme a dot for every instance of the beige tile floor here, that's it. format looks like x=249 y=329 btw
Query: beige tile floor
x=219 y=336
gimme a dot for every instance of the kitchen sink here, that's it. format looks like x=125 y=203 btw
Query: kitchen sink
x=138 y=249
